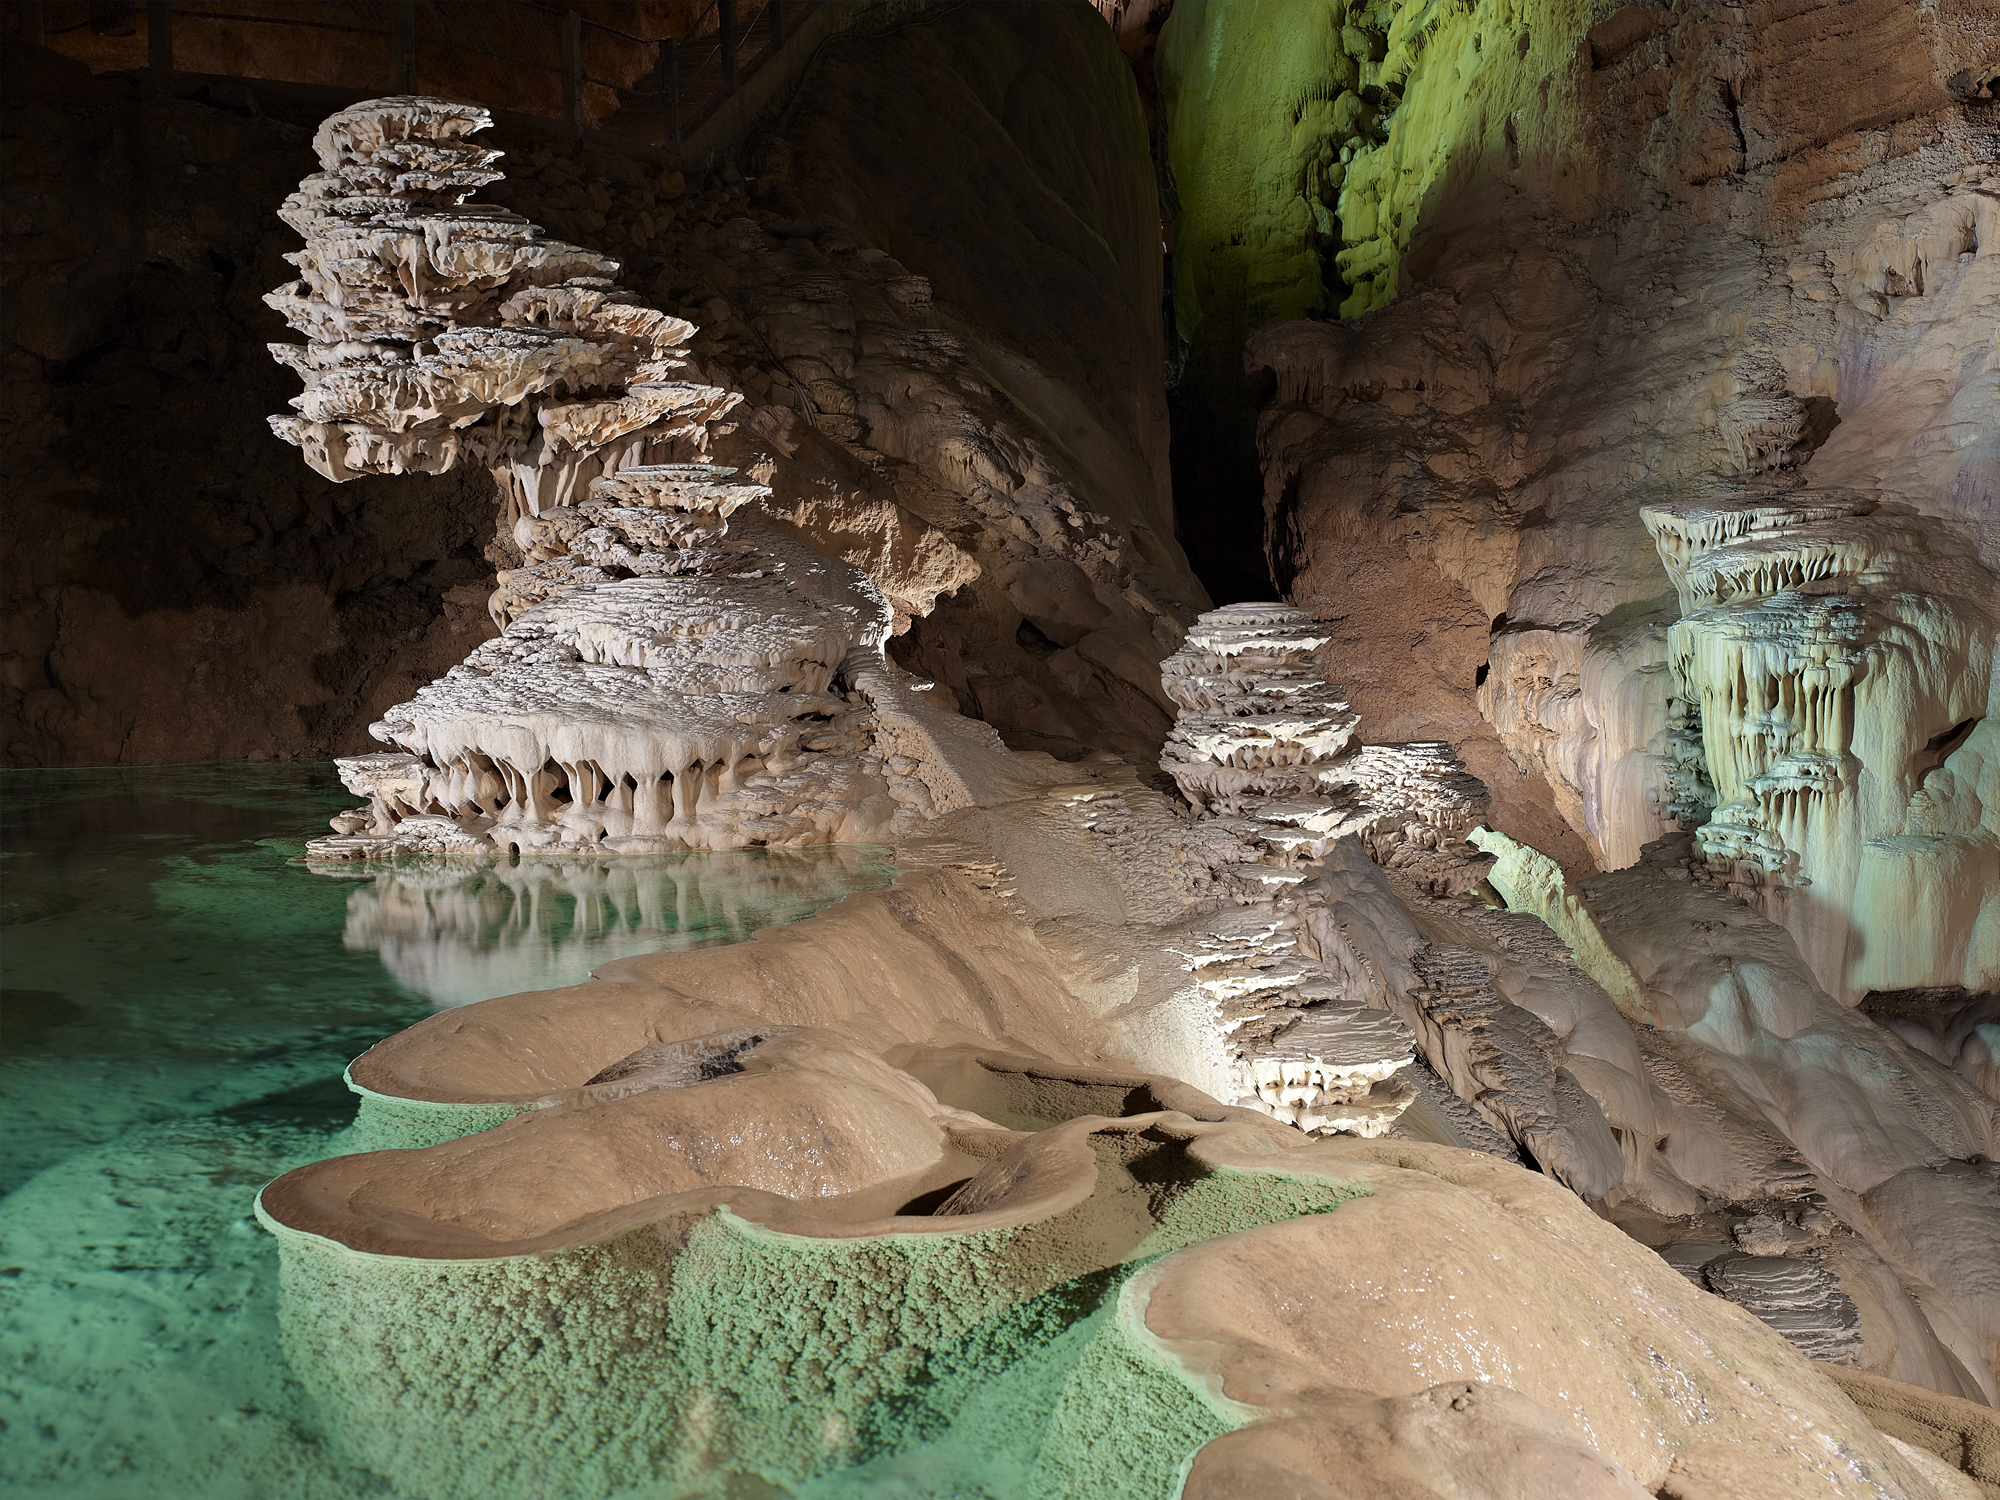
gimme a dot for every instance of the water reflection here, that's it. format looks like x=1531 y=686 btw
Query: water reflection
x=176 y=1007
x=456 y=933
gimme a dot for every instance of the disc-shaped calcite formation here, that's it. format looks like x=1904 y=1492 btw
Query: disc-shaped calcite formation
x=1266 y=746
x=658 y=684
x=441 y=331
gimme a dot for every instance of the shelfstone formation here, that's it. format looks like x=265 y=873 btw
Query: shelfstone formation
x=444 y=332
x=659 y=682
x=1835 y=656
x=1264 y=748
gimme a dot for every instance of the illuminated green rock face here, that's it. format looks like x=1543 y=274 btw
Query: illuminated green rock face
x=703 y=1353
x=1255 y=231
x=1311 y=140
x=1313 y=145
x=1260 y=109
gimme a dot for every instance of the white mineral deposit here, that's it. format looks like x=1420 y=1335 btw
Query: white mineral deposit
x=1121 y=751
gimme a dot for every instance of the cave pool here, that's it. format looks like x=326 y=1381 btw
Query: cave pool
x=179 y=1002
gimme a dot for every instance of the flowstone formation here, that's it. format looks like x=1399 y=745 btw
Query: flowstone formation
x=969 y=1270
x=1264 y=749
x=1760 y=1122
x=1670 y=1059
x=1833 y=667
x=658 y=683
x=745 y=1195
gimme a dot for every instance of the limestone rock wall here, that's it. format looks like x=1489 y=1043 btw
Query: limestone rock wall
x=1635 y=256
x=177 y=585
x=999 y=366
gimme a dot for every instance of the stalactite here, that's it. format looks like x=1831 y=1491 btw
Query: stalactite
x=1825 y=636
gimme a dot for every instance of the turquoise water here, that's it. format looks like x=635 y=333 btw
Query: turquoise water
x=177 y=1002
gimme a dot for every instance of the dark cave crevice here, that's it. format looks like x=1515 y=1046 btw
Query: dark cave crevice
x=1219 y=486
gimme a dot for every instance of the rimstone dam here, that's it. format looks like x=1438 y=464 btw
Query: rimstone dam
x=1155 y=748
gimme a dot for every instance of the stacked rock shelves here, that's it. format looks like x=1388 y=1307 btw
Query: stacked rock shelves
x=659 y=683
x=1262 y=739
x=442 y=332
x=1265 y=746
x=666 y=686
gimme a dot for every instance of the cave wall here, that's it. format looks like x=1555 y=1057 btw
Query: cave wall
x=999 y=155
x=1597 y=256
x=1248 y=97
x=177 y=586
x=936 y=279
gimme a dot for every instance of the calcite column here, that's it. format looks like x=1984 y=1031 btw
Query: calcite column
x=654 y=671
x=1836 y=653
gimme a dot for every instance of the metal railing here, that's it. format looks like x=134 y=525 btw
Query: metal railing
x=542 y=58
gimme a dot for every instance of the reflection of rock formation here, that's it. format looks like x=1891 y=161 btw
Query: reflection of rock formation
x=1837 y=655
x=658 y=684
x=1265 y=747
x=457 y=932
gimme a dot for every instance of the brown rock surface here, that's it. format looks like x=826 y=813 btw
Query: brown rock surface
x=1962 y=1433
x=1441 y=1324
x=1682 y=252
x=880 y=1048
x=1452 y=1333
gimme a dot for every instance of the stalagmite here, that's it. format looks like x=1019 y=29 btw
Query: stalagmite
x=1262 y=737
x=659 y=682
x=1265 y=748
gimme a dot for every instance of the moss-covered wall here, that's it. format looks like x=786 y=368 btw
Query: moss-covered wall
x=1310 y=142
